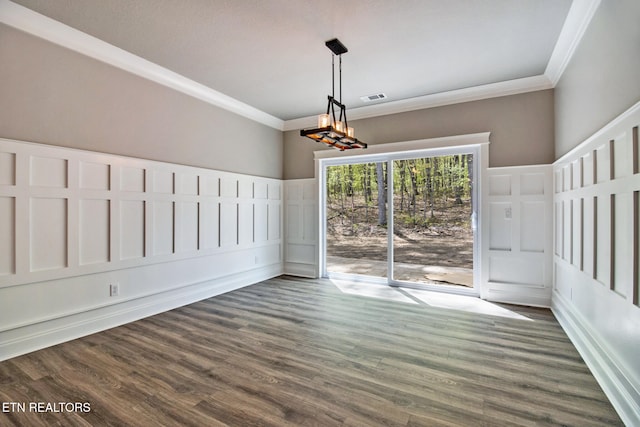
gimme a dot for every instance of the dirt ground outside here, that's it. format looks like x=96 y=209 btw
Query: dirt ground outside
x=435 y=255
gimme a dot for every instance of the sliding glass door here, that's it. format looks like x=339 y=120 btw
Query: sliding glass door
x=402 y=218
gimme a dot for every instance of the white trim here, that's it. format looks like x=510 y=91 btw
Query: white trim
x=574 y=27
x=476 y=93
x=398 y=147
x=56 y=32
x=613 y=381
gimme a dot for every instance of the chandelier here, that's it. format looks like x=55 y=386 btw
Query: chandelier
x=334 y=130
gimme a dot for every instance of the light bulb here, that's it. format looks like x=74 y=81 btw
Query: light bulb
x=324 y=121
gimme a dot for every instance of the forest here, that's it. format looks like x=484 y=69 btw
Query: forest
x=424 y=189
x=432 y=199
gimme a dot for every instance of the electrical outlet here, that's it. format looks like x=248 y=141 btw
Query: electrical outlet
x=114 y=289
x=507 y=213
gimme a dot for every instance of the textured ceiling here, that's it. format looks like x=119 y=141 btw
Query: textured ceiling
x=270 y=54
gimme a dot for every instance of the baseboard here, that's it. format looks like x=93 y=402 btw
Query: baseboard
x=535 y=298
x=300 y=269
x=623 y=394
x=55 y=331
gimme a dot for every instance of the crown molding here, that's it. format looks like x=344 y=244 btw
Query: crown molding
x=575 y=25
x=24 y=19
x=31 y=22
x=493 y=90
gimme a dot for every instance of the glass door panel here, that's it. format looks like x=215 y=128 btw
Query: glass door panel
x=432 y=220
x=356 y=219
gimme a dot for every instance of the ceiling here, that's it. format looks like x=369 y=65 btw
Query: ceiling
x=270 y=54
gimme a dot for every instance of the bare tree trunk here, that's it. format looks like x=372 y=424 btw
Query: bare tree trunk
x=402 y=167
x=470 y=177
x=382 y=211
x=414 y=187
x=459 y=160
x=365 y=191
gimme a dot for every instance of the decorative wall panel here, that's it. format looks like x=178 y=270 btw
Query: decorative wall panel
x=7 y=168
x=229 y=217
x=187 y=222
x=623 y=244
x=273 y=214
x=48 y=172
x=500 y=185
x=532 y=184
x=163 y=182
x=588 y=237
x=94 y=176
x=209 y=224
x=261 y=224
x=132 y=229
x=7 y=230
x=622 y=156
x=132 y=179
x=531 y=240
x=48 y=233
x=66 y=213
x=188 y=184
x=210 y=185
x=301 y=249
x=576 y=232
x=596 y=291
x=576 y=174
x=228 y=187
x=94 y=231
x=603 y=163
x=163 y=230
x=500 y=215
x=567 y=222
x=603 y=239
x=261 y=190
x=245 y=223
x=517 y=235
x=588 y=169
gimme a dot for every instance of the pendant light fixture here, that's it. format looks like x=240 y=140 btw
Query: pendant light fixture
x=334 y=130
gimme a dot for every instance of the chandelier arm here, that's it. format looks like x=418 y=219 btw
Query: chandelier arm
x=333 y=76
x=346 y=124
x=340 y=69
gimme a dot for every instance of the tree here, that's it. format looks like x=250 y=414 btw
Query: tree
x=382 y=206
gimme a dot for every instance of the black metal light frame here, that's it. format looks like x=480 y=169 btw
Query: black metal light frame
x=329 y=134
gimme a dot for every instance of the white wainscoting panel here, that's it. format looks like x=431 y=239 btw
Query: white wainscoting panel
x=517 y=234
x=596 y=291
x=74 y=222
x=301 y=247
x=7 y=231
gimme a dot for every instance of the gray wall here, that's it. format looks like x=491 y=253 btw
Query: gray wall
x=52 y=95
x=603 y=78
x=521 y=129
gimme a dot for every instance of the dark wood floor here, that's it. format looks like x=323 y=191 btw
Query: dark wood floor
x=292 y=351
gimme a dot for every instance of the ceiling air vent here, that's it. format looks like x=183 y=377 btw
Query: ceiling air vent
x=374 y=97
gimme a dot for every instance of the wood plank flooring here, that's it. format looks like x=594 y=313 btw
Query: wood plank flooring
x=289 y=352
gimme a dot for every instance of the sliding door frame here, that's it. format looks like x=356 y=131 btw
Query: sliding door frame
x=475 y=144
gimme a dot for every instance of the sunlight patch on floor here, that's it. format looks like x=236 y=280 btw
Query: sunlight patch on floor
x=434 y=299
x=372 y=290
x=464 y=303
